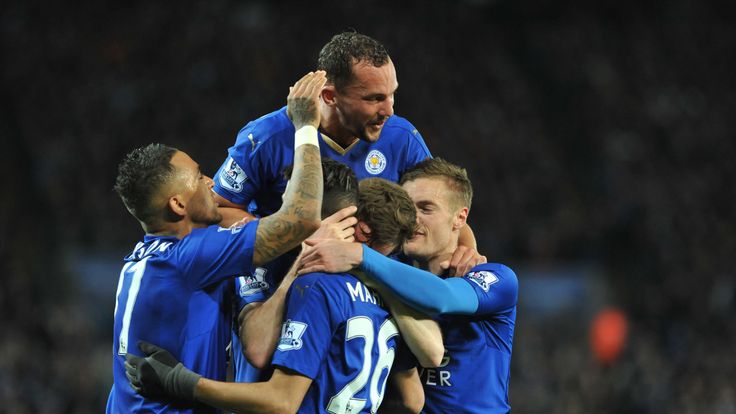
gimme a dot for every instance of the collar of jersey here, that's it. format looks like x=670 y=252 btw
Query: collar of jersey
x=335 y=146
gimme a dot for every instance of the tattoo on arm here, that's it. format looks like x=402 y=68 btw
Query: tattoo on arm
x=299 y=215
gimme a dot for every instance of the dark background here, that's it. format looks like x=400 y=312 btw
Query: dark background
x=599 y=137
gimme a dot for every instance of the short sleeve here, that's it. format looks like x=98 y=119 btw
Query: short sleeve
x=212 y=254
x=240 y=176
x=496 y=286
x=306 y=333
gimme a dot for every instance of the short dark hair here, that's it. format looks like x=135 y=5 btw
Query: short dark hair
x=388 y=210
x=455 y=176
x=345 y=49
x=140 y=175
x=340 y=186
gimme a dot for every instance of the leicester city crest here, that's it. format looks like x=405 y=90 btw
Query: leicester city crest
x=375 y=162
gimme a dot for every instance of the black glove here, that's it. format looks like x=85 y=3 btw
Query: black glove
x=159 y=374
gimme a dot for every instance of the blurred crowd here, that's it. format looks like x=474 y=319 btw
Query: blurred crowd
x=594 y=132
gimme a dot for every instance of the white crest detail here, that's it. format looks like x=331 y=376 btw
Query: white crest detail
x=291 y=334
x=375 y=162
x=232 y=176
x=483 y=278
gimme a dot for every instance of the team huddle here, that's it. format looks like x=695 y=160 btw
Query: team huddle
x=328 y=265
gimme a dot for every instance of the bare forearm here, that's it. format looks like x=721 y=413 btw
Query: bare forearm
x=421 y=334
x=256 y=397
x=261 y=326
x=299 y=215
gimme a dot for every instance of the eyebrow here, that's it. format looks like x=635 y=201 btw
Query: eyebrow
x=376 y=95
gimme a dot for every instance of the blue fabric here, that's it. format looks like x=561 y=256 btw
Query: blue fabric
x=252 y=173
x=175 y=295
x=477 y=315
x=251 y=288
x=337 y=332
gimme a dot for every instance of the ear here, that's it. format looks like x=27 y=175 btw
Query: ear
x=177 y=205
x=461 y=219
x=362 y=232
x=328 y=95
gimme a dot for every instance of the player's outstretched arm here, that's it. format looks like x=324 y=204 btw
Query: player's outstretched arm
x=417 y=288
x=159 y=374
x=299 y=215
x=260 y=323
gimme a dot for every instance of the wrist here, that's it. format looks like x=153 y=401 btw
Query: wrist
x=306 y=134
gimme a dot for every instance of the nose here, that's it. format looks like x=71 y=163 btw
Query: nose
x=210 y=182
x=387 y=107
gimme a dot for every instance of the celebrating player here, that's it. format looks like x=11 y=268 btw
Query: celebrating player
x=260 y=304
x=477 y=312
x=357 y=127
x=172 y=285
x=337 y=344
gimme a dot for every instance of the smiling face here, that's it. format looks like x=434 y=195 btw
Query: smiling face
x=365 y=104
x=196 y=191
x=439 y=219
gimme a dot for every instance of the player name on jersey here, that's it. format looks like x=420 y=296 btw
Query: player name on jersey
x=363 y=293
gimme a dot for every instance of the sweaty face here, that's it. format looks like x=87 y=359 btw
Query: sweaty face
x=435 y=217
x=197 y=190
x=364 y=105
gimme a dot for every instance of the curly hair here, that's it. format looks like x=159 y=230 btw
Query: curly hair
x=388 y=211
x=140 y=175
x=345 y=49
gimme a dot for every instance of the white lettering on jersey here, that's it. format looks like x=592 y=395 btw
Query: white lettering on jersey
x=436 y=376
x=363 y=293
x=483 y=278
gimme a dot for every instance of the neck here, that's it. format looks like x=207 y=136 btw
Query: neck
x=433 y=263
x=178 y=229
x=330 y=125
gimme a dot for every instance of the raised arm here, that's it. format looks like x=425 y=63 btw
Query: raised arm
x=260 y=323
x=299 y=215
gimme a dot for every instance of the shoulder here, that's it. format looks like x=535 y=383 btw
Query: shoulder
x=216 y=235
x=399 y=126
x=268 y=129
x=325 y=284
x=487 y=274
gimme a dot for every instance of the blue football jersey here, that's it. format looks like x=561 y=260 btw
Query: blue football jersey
x=173 y=293
x=252 y=173
x=337 y=333
x=255 y=287
x=474 y=374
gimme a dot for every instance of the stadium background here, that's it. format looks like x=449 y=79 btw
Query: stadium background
x=599 y=136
